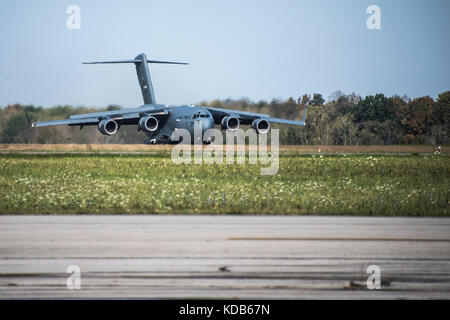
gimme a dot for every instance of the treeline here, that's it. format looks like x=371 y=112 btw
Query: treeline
x=348 y=119
x=345 y=119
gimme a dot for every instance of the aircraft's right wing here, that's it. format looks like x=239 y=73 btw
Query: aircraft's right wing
x=122 y=116
x=70 y=122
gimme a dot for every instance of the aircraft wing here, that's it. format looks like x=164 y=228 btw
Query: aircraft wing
x=247 y=117
x=122 y=116
x=70 y=122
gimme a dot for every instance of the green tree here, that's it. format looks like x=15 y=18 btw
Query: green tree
x=441 y=119
x=316 y=100
x=374 y=108
x=14 y=131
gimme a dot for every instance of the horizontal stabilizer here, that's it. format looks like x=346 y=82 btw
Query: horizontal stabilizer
x=134 y=61
x=166 y=62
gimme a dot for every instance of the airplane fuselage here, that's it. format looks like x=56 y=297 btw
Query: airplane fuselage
x=181 y=117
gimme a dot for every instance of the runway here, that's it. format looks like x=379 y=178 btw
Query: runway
x=242 y=257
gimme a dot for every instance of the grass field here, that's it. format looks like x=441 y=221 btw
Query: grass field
x=151 y=184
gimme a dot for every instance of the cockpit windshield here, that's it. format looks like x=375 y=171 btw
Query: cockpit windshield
x=200 y=115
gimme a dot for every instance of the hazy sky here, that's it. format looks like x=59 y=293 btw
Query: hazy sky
x=255 y=49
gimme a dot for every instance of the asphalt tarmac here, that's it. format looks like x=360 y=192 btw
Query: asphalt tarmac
x=257 y=257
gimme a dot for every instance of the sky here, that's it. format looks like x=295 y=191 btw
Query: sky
x=260 y=50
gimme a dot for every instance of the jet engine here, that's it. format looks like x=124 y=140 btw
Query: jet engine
x=261 y=126
x=148 y=124
x=108 y=127
x=230 y=123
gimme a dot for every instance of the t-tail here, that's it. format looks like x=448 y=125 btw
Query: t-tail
x=143 y=74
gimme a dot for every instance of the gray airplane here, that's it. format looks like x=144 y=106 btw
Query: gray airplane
x=158 y=121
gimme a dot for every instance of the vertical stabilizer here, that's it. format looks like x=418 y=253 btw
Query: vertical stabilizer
x=144 y=79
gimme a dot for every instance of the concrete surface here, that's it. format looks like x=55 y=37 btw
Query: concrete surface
x=262 y=257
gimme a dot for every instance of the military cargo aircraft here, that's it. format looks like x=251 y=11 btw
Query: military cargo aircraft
x=158 y=121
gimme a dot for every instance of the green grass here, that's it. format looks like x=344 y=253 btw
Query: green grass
x=305 y=184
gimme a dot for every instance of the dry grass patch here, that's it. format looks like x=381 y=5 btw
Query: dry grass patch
x=393 y=149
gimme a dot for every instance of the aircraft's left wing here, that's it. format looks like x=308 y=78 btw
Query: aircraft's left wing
x=122 y=116
x=247 y=117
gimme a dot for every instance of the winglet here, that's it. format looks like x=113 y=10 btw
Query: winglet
x=28 y=118
x=304 y=116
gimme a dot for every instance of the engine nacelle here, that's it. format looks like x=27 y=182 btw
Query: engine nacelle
x=261 y=126
x=108 y=127
x=230 y=123
x=148 y=124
